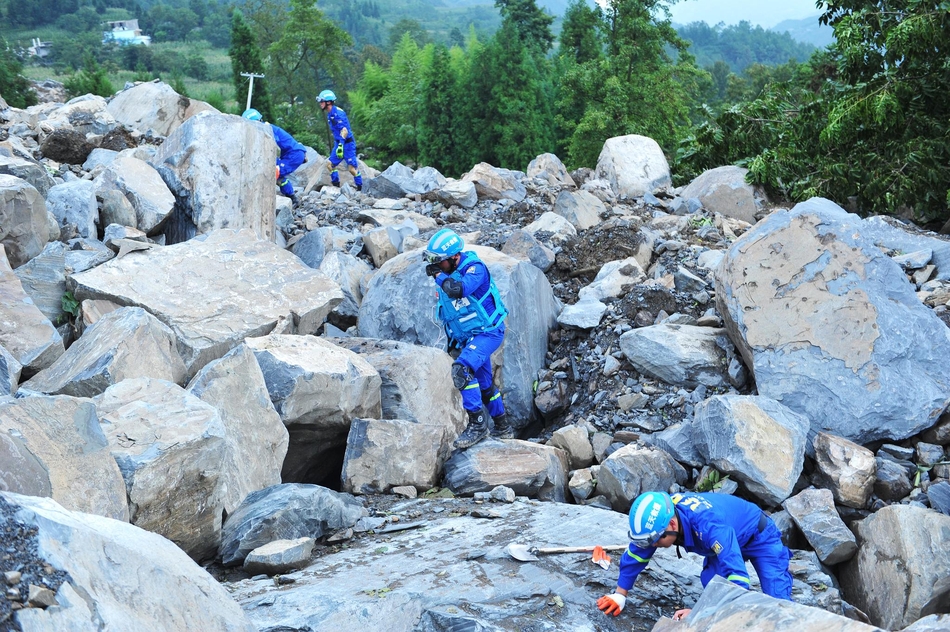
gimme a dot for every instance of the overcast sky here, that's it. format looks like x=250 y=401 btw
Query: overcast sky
x=765 y=13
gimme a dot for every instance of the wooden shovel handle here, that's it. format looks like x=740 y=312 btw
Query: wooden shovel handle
x=579 y=549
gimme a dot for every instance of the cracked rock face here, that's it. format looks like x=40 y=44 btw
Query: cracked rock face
x=811 y=302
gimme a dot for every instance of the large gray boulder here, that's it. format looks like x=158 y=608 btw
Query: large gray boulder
x=724 y=190
x=54 y=447
x=9 y=373
x=814 y=512
x=120 y=577
x=400 y=305
x=74 y=206
x=171 y=448
x=549 y=167
x=416 y=382
x=29 y=171
x=633 y=165
x=724 y=606
x=755 y=440
x=527 y=468
x=26 y=334
x=632 y=470
x=580 y=208
x=317 y=389
x=831 y=328
x=681 y=355
x=44 y=280
x=220 y=168
x=128 y=342
x=845 y=468
x=143 y=187
x=256 y=437
x=243 y=287
x=902 y=569
x=386 y=453
x=23 y=226
x=154 y=106
x=495 y=183
x=285 y=512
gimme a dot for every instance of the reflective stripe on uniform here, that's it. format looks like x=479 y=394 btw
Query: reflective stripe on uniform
x=636 y=557
x=738 y=578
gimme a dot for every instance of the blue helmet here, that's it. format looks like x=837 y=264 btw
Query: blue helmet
x=326 y=95
x=252 y=115
x=444 y=244
x=650 y=514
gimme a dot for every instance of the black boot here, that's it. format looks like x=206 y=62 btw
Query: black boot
x=476 y=430
x=502 y=429
x=295 y=200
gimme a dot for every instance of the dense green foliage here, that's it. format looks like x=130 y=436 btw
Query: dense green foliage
x=869 y=123
x=14 y=88
x=741 y=45
x=90 y=80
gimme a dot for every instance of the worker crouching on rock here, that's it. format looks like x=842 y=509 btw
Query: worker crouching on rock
x=724 y=529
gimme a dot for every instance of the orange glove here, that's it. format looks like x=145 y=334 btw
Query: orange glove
x=612 y=604
x=277 y=177
x=600 y=557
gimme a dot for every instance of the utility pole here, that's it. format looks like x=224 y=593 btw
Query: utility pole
x=250 y=88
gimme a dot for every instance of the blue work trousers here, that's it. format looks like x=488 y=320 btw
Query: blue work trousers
x=349 y=157
x=770 y=559
x=288 y=164
x=477 y=357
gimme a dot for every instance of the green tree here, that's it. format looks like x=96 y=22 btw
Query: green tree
x=246 y=57
x=867 y=122
x=308 y=56
x=437 y=146
x=14 y=87
x=387 y=103
x=90 y=80
x=636 y=88
x=529 y=21
x=415 y=30
x=581 y=38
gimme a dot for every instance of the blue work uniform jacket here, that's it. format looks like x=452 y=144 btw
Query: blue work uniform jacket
x=479 y=309
x=286 y=143
x=712 y=525
x=338 y=121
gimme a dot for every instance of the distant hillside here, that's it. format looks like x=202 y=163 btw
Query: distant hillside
x=807 y=30
x=741 y=45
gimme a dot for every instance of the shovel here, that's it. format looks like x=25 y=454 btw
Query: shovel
x=525 y=553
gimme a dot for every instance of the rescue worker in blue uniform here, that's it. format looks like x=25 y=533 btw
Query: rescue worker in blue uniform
x=724 y=529
x=473 y=315
x=344 y=148
x=292 y=155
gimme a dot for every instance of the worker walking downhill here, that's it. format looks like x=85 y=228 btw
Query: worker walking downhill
x=724 y=529
x=292 y=155
x=344 y=148
x=473 y=316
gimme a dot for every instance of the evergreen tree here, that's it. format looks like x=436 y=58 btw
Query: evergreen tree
x=581 y=38
x=510 y=121
x=246 y=57
x=528 y=22
x=437 y=147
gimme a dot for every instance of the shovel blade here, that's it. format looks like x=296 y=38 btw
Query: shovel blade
x=520 y=552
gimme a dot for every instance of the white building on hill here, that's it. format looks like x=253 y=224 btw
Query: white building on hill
x=124 y=32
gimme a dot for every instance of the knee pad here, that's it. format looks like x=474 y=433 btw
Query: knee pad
x=330 y=166
x=461 y=375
